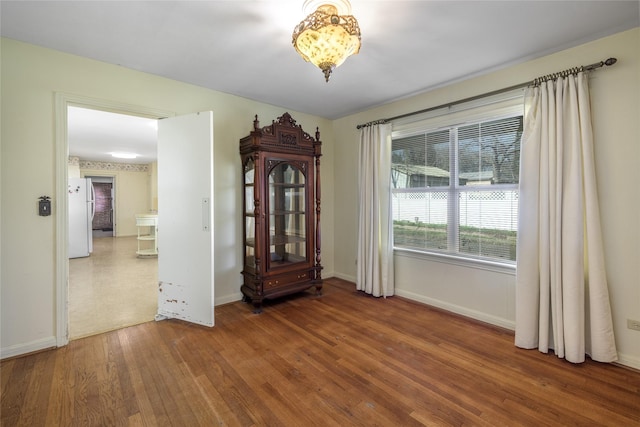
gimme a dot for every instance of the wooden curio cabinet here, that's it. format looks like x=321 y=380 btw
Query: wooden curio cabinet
x=281 y=211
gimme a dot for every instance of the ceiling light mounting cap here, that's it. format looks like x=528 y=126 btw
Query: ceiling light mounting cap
x=310 y=6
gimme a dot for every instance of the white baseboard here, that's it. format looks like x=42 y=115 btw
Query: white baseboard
x=483 y=317
x=463 y=311
x=237 y=296
x=627 y=360
x=343 y=277
x=623 y=359
x=30 y=347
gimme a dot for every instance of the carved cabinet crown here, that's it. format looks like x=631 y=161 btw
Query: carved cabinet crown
x=282 y=135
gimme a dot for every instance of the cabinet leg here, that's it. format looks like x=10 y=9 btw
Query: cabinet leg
x=257 y=306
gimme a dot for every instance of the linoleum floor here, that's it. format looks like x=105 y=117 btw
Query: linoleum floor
x=112 y=288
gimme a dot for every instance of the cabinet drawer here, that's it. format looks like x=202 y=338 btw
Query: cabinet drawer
x=286 y=279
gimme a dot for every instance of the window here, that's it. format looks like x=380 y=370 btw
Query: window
x=455 y=187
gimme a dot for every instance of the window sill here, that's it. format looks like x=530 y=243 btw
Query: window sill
x=480 y=264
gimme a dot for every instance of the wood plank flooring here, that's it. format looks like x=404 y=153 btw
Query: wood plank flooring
x=342 y=359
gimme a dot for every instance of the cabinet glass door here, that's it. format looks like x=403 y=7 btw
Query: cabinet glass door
x=249 y=215
x=287 y=226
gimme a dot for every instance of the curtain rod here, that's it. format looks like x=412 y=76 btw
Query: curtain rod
x=534 y=82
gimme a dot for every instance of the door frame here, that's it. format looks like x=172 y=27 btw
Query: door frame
x=62 y=102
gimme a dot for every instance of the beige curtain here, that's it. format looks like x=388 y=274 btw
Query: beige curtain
x=375 y=232
x=562 y=300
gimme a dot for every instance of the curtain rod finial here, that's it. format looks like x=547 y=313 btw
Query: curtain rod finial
x=610 y=61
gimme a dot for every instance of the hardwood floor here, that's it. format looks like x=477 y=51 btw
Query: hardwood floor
x=341 y=359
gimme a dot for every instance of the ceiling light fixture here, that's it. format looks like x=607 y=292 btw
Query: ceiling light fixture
x=123 y=155
x=327 y=36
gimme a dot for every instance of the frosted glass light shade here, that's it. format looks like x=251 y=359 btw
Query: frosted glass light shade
x=326 y=39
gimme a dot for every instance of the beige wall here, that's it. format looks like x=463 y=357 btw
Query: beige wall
x=487 y=293
x=73 y=170
x=31 y=76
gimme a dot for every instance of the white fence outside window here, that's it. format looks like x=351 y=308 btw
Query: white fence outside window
x=490 y=209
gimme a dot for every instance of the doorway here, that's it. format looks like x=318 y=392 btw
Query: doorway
x=97 y=283
x=192 y=131
x=103 y=224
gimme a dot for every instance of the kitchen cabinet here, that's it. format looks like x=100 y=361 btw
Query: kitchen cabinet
x=281 y=211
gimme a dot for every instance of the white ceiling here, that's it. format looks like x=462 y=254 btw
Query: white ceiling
x=244 y=47
x=94 y=135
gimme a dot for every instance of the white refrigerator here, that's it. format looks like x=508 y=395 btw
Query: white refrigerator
x=81 y=211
